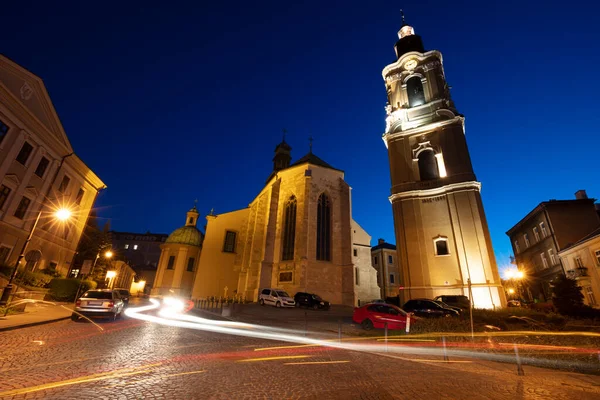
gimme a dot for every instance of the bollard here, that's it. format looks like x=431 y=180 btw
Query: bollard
x=386 y=337
x=445 y=352
x=520 y=371
x=340 y=333
x=305 y=324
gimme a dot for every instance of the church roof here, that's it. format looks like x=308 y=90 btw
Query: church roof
x=189 y=235
x=310 y=158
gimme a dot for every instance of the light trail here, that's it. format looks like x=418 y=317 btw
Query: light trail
x=317 y=362
x=272 y=358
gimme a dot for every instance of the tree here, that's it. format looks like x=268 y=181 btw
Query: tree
x=567 y=295
x=93 y=241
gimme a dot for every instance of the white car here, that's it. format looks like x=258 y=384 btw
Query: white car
x=276 y=297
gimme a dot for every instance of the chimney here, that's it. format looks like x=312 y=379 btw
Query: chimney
x=581 y=195
x=380 y=241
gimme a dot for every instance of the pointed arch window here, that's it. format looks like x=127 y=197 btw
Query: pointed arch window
x=324 y=228
x=428 y=165
x=414 y=89
x=289 y=229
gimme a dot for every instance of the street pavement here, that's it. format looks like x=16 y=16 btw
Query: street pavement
x=133 y=359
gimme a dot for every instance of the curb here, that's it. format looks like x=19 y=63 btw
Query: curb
x=12 y=328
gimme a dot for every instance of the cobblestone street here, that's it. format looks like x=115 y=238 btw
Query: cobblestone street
x=132 y=359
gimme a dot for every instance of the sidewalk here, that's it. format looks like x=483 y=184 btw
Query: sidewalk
x=36 y=314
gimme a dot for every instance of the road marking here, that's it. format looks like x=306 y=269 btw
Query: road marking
x=271 y=358
x=406 y=340
x=286 y=347
x=84 y=379
x=317 y=362
x=424 y=360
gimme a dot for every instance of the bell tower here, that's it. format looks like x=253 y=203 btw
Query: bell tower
x=443 y=242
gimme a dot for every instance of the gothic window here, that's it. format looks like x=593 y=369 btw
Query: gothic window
x=323 y=228
x=289 y=229
x=428 y=166
x=414 y=89
x=229 y=245
x=441 y=246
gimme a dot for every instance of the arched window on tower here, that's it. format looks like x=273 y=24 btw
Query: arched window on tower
x=414 y=89
x=428 y=165
x=289 y=229
x=323 y=228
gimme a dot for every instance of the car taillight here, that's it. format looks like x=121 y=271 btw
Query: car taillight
x=111 y=304
x=78 y=303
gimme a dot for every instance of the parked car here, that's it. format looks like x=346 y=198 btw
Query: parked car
x=513 y=303
x=99 y=303
x=310 y=300
x=124 y=293
x=376 y=315
x=428 y=309
x=457 y=309
x=276 y=297
x=459 y=301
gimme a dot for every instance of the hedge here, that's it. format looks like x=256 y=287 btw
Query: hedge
x=65 y=289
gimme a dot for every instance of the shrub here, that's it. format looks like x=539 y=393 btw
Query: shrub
x=65 y=289
x=566 y=295
x=33 y=279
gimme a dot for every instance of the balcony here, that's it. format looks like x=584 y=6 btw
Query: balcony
x=577 y=273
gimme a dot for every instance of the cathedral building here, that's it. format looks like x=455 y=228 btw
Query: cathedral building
x=442 y=237
x=297 y=234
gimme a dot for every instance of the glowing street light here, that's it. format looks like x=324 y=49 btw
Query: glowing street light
x=108 y=254
x=62 y=215
x=511 y=291
x=111 y=274
x=519 y=275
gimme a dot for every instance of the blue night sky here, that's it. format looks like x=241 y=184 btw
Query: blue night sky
x=187 y=100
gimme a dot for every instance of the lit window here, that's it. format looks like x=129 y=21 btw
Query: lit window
x=287 y=276
x=135 y=246
x=3 y=131
x=517 y=250
x=441 y=165
x=590 y=295
x=64 y=184
x=415 y=92
x=441 y=247
x=552 y=257
x=356 y=276
x=390 y=260
x=24 y=154
x=578 y=262
x=543 y=228
x=544 y=260
x=42 y=167
x=79 y=197
x=391 y=278
x=22 y=207
x=191 y=262
x=229 y=245
x=4 y=192
x=289 y=229
x=126 y=246
x=526 y=239
x=536 y=234
x=171 y=262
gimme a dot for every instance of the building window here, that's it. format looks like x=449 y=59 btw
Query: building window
x=42 y=167
x=64 y=184
x=289 y=229
x=596 y=253
x=323 y=228
x=355 y=253
x=526 y=239
x=126 y=246
x=552 y=257
x=171 y=262
x=3 y=131
x=414 y=89
x=428 y=165
x=390 y=259
x=543 y=229
x=4 y=253
x=135 y=246
x=578 y=262
x=536 y=234
x=590 y=295
x=544 y=260
x=229 y=245
x=375 y=260
x=4 y=192
x=22 y=207
x=79 y=197
x=287 y=276
x=392 y=278
x=356 y=276
x=24 y=154
x=441 y=247
x=190 y=266
x=517 y=250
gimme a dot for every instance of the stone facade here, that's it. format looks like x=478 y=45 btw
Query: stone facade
x=38 y=172
x=366 y=287
x=444 y=246
x=385 y=261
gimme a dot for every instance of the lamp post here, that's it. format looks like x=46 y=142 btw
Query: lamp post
x=107 y=254
x=62 y=215
x=515 y=277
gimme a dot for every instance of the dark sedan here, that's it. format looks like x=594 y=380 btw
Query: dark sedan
x=428 y=309
x=310 y=300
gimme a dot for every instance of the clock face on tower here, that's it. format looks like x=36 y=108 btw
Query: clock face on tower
x=410 y=64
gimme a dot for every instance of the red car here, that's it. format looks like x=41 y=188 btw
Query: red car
x=377 y=315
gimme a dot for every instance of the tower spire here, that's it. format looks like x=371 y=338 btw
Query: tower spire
x=284 y=132
x=402 y=14
x=310 y=141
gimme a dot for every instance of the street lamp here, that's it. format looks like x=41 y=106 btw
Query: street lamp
x=62 y=215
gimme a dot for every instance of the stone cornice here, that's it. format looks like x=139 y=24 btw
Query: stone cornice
x=421 y=129
x=412 y=54
x=452 y=188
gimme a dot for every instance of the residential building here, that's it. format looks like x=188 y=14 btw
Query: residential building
x=537 y=239
x=39 y=172
x=385 y=261
x=442 y=237
x=581 y=262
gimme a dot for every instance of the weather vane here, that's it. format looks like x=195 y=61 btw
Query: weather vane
x=402 y=14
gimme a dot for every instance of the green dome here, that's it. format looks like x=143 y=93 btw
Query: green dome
x=186 y=235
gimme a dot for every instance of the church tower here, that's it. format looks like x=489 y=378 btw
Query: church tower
x=443 y=242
